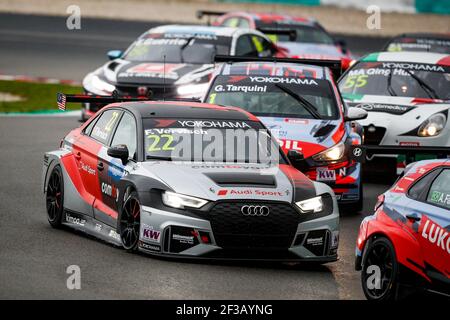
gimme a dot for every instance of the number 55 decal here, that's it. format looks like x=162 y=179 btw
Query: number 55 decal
x=356 y=81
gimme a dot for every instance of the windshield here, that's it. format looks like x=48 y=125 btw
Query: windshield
x=308 y=34
x=397 y=79
x=234 y=141
x=419 y=45
x=178 y=48
x=276 y=96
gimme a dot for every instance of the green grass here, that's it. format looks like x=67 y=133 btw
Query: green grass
x=37 y=96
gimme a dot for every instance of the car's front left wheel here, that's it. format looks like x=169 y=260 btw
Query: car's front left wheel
x=55 y=197
x=129 y=222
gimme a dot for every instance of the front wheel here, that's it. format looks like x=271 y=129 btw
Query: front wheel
x=55 y=197
x=379 y=275
x=129 y=222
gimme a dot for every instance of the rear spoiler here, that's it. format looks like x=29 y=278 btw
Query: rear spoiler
x=208 y=13
x=334 y=65
x=292 y=33
x=360 y=153
x=62 y=99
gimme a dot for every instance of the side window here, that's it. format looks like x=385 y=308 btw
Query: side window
x=263 y=47
x=126 y=134
x=89 y=127
x=244 y=23
x=104 y=127
x=244 y=47
x=439 y=193
x=420 y=188
x=231 y=22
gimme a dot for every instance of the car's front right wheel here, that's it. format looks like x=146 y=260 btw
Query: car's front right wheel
x=379 y=274
x=129 y=222
x=55 y=197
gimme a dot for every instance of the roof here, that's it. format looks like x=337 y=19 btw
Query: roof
x=196 y=29
x=187 y=110
x=277 y=17
x=277 y=69
x=410 y=57
x=424 y=35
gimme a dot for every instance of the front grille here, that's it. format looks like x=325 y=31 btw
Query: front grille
x=373 y=138
x=158 y=90
x=233 y=230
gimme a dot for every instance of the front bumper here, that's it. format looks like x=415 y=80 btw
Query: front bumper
x=184 y=236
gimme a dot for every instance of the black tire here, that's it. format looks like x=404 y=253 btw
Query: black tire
x=381 y=253
x=54 y=197
x=129 y=222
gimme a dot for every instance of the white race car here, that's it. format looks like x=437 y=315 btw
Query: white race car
x=407 y=96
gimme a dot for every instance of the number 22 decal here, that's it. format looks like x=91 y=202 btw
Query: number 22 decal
x=155 y=145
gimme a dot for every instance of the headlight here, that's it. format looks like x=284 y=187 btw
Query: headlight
x=180 y=201
x=432 y=126
x=193 y=90
x=102 y=85
x=312 y=205
x=332 y=154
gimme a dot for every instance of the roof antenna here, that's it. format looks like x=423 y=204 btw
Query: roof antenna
x=164 y=78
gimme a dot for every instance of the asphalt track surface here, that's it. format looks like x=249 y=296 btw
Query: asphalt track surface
x=34 y=257
x=42 y=46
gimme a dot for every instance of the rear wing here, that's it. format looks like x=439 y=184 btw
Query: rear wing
x=292 y=33
x=209 y=13
x=360 y=153
x=62 y=99
x=334 y=65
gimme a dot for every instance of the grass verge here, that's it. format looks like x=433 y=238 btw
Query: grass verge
x=36 y=97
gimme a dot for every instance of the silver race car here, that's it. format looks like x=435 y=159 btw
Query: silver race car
x=186 y=179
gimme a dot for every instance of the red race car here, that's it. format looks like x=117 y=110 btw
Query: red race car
x=405 y=245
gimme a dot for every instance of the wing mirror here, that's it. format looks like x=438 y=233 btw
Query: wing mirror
x=114 y=54
x=354 y=113
x=295 y=156
x=119 y=151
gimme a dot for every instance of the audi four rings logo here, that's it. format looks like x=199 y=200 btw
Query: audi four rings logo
x=260 y=211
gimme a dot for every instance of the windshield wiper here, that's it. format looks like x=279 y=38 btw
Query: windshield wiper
x=308 y=105
x=389 y=83
x=164 y=158
x=184 y=46
x=430 y=91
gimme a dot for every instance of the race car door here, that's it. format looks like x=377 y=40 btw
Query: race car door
x=105 y=208
x=432 y=227
x=86 y=149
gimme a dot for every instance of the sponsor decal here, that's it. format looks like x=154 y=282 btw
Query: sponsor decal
x=153 y=70
x=440 y=198
x=113 y=234
x=409 y=143
x=175 y=131
x=98 y=227
x=214 y=124
x=222 y=192
x=289 y=144
x=110 y=190
x=299 y=81
x=413 y=66
x=183 y=239
x=87 y=168
x=150 y=247
x=296 y=121
x=436 y=235
x=116 y=171
x=250 y=192
x=323 y=174
x=388 y=108
x=98 y=132
x=314 y=241
x=148 y=233
x=75 y=220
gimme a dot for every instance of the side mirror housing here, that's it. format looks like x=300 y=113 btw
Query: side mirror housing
x=295 y=156
x=342 y=44
x=114 y=54
x=354 y=113
x=119 y=151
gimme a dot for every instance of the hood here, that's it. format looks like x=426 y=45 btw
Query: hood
x=310 y=136
x=215 y=181
x=312 y=50
x=157 y=73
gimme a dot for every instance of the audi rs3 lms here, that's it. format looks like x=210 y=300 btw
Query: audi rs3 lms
x=302 y=107
x=171 y=61
x=405 y=245
x=185 y=179
x=407 y=97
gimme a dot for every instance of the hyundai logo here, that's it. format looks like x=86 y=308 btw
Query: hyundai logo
x=260 y=211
